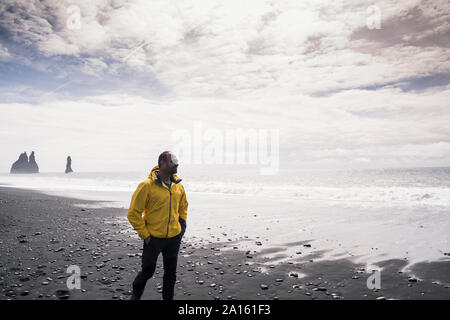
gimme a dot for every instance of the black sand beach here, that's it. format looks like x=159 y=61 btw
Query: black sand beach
x=41 y=235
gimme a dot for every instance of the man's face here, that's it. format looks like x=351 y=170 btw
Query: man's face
x=172 y=164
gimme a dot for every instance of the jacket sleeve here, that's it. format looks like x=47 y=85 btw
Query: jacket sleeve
x=137 y=206
x=182 y=209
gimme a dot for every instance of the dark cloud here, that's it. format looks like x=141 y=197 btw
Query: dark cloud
x=413 y=28
x=27 y=22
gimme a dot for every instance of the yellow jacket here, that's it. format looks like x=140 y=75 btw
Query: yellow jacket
x=162 y=207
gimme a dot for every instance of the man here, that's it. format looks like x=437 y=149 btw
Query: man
x=163 y=201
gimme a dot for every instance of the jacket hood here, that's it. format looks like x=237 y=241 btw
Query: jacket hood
x=154 y=175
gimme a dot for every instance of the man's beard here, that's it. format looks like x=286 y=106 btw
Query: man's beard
x=173 y=170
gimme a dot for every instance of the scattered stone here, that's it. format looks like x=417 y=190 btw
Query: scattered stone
x=62 y=294
x=264 y=286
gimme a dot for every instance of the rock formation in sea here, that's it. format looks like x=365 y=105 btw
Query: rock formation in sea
x=25 y=165
x=32 y=165
x=69 y=165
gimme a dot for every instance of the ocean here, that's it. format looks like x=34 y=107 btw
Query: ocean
x=375 y=187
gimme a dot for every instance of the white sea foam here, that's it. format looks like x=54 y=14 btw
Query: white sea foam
x=395 y=192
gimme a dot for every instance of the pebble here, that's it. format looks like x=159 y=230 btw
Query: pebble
x=62 y=294
x=264 y=287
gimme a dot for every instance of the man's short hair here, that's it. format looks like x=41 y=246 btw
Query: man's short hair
x=163 y=157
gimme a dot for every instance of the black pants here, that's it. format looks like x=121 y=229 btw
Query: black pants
x=169 y=248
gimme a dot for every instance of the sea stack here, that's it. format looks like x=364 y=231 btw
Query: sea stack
x=69 y=165
x=32 y=165
x=25 y=165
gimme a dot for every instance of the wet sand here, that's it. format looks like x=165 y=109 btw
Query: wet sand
x=41 y=235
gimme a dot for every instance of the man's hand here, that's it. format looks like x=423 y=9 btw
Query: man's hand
x=147 y=240
x=183 y=226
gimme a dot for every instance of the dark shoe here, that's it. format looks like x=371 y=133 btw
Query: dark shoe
x=137 y=294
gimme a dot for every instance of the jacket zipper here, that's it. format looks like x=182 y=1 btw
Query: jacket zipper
x=170 y=211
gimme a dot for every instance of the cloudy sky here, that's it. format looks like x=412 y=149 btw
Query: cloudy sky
x=346 y=83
